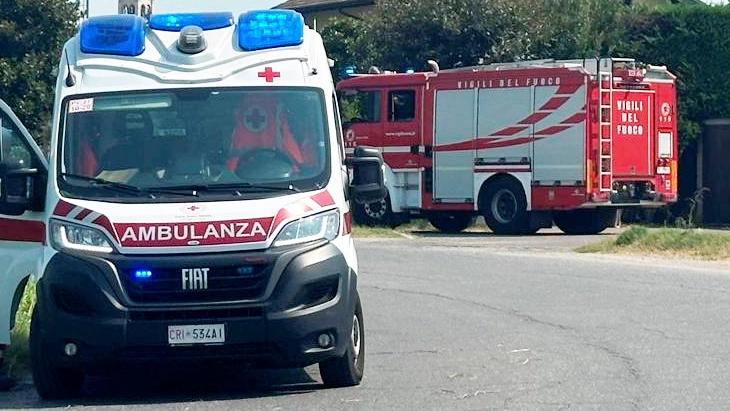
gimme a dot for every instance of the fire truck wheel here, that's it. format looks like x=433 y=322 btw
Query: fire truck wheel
x=347 y=370
x=378 y=213
x=51 y=381
x=451 y=222
x=504 y=206
x=583 y=222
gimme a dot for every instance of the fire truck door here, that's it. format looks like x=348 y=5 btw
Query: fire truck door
x=401 y=136
x=631 y=132
x=453 y=159
x=20 y=235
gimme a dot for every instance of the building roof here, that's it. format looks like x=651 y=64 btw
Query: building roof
x=320 y=5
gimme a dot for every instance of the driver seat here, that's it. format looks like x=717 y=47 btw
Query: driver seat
x=131 y=128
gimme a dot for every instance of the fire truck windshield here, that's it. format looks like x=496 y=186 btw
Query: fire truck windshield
x=219 y=139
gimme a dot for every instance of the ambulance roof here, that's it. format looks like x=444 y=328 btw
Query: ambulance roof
x=120 y=52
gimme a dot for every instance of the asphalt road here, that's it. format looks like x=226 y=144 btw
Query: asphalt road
x=481 y=322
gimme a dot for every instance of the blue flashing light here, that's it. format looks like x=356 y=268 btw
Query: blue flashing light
x=206 y=21
x=410 y=71
x=142 y=274
x=122 y=34
x=264 y=29
x=349 y=70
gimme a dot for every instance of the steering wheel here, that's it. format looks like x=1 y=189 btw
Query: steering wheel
x=264 y=163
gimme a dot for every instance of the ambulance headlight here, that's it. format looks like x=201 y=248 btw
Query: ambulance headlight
x=264 y=29
x=67 y=236
x=323 y=226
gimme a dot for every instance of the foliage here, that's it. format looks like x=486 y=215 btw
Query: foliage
x=32 y=34
x=406 y=33
x=345 y=44
x=692 y=42
x=631 y=236
x=17 y=353
x=669 y=242
x=568 y=29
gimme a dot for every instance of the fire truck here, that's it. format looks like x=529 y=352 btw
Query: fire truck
x=525 y=145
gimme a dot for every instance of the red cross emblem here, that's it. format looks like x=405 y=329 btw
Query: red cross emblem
x=269 y=74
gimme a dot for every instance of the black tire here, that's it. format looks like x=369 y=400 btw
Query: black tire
x=378 y=213
x=450 y=222
x=51 y=382
x=504 y=206
x=584 y=222
x=347 y=370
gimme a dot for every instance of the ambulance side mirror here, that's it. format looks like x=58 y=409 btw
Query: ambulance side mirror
x=19 y=189
x=368 y=183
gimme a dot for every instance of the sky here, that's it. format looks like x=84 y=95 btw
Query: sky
x=101 y=7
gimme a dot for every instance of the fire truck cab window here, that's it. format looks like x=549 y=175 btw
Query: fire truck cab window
x=402 y=105
x=360 y=106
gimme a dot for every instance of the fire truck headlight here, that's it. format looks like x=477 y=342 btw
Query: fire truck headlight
x=66 y=236
x=316 y=227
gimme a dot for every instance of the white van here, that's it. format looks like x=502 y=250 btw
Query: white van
x=195 y=204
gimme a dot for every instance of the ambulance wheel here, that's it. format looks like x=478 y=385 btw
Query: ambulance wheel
x=377 y=213
x=451 y=222
x=51 y=381
x=504 y=206
x=347 y=370
x=583 y=222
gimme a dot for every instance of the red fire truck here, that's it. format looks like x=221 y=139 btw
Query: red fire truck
x=524 y=144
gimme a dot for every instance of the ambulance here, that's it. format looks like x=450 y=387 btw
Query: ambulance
x=194 y=205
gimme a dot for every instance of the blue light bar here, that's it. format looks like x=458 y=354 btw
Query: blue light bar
x=142 y=274
x=264 y=29
x=206 y=21
x=122 y=34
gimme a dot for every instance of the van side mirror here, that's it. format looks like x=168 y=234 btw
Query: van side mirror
x=20 y=189
x=368 y=183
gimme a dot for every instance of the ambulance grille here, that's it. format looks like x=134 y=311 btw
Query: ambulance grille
x=231 y=283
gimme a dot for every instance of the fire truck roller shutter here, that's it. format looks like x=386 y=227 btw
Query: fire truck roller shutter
x=503 y=204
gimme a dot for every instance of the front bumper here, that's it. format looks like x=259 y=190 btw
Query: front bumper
x=92 y=303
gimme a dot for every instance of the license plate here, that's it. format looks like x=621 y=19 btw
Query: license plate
x=196 y=334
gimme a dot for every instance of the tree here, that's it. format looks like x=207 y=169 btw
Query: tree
x=406 y=33
x=568 y=29
x=32 y=34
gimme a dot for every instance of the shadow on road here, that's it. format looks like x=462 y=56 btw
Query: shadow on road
x=487 y=234
x=154 y=386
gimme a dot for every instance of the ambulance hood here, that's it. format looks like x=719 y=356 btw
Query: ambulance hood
x=195 y=226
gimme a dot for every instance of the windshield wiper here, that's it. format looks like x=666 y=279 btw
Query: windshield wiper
x=125 y=188
x=236 y=187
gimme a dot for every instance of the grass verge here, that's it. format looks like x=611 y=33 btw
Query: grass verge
x=677 y=242
x=16 y=356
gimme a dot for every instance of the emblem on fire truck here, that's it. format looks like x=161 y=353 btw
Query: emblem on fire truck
x=666 y=109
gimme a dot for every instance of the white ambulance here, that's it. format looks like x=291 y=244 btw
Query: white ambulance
x=194 y=206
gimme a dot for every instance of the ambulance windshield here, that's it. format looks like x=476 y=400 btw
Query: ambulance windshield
x=207 y=139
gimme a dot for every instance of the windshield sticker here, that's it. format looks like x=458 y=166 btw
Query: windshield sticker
x=80 y=106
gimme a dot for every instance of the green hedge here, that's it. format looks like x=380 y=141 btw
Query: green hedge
x=694 y=43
